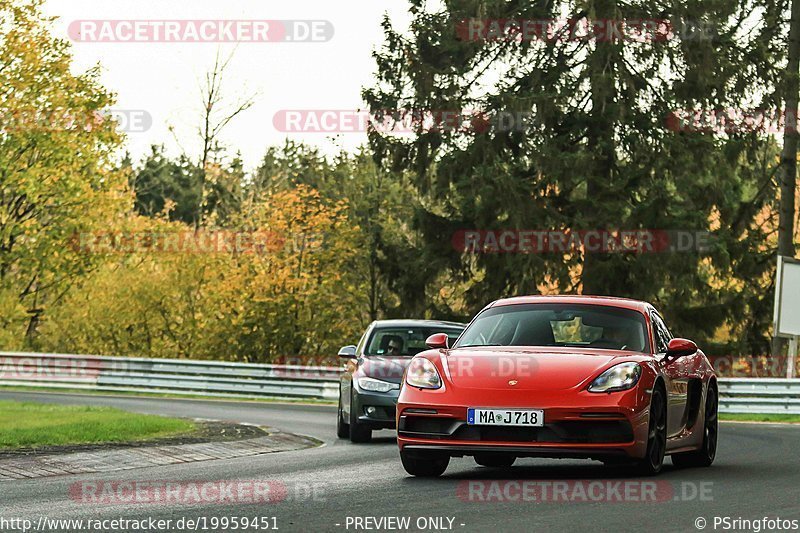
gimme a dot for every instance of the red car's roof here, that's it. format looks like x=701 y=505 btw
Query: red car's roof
x=612 y=301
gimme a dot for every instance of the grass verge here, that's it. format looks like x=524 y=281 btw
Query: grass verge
x=146 y=394
x=31 y=425
x=747 y=417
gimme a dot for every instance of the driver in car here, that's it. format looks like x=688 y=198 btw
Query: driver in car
x=395 y=346
x=621 y=336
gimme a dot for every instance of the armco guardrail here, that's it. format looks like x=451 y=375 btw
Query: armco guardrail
x=173 y=376
x=242 y=380
x=759 y=395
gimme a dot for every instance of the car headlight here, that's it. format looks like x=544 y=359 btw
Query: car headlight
x=376 y=385
x=619 y=377
x=423 y=374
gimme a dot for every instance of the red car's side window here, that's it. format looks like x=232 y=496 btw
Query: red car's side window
x=661 y=333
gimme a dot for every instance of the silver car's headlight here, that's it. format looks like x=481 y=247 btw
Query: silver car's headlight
x=619 y=377
x=423 y=374
x=376 y=385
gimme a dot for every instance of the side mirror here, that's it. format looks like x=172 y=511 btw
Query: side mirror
x=347 y=351
x=437 y=340
x=681 y=347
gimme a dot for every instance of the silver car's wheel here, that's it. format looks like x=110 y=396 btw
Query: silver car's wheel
x=342 y=427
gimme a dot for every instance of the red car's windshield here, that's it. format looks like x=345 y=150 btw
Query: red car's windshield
x=590 y=326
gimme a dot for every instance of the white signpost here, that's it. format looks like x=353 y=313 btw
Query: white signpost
x=787 y=306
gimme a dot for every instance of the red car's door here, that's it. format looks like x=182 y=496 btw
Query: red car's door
x=676 y=373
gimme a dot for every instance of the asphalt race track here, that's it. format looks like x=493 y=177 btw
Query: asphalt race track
x=756 y=475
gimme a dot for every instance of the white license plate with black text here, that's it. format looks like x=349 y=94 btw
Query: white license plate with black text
x=505 y=417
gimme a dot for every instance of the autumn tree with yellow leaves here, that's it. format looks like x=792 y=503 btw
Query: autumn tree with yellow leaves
x=57 y=176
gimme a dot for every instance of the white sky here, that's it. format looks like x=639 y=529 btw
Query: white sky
x=163 y=78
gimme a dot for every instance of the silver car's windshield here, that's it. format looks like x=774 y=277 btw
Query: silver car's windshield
x=404 y=342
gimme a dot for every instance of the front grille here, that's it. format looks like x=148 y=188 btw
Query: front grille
x=568 y=432
x=429 y=426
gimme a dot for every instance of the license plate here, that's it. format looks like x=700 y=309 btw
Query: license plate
x=505 y=417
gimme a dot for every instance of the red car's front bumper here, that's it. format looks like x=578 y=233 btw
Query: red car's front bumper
x=578 y=424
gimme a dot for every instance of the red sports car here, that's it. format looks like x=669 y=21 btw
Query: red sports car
x=559 y=376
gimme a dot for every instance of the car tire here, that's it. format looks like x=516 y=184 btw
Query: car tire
x=704 y=456
x=495 y=460
x=342 y=427
x=358 y=433
x=424 y=464
x=653 y=459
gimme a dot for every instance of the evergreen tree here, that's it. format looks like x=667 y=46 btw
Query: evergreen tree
x=597 y=148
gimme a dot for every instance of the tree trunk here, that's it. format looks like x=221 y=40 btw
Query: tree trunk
x=790 y=135
x=788 y=167
x=601 y=141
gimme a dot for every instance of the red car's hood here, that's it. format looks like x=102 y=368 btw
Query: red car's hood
x=534 y=368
